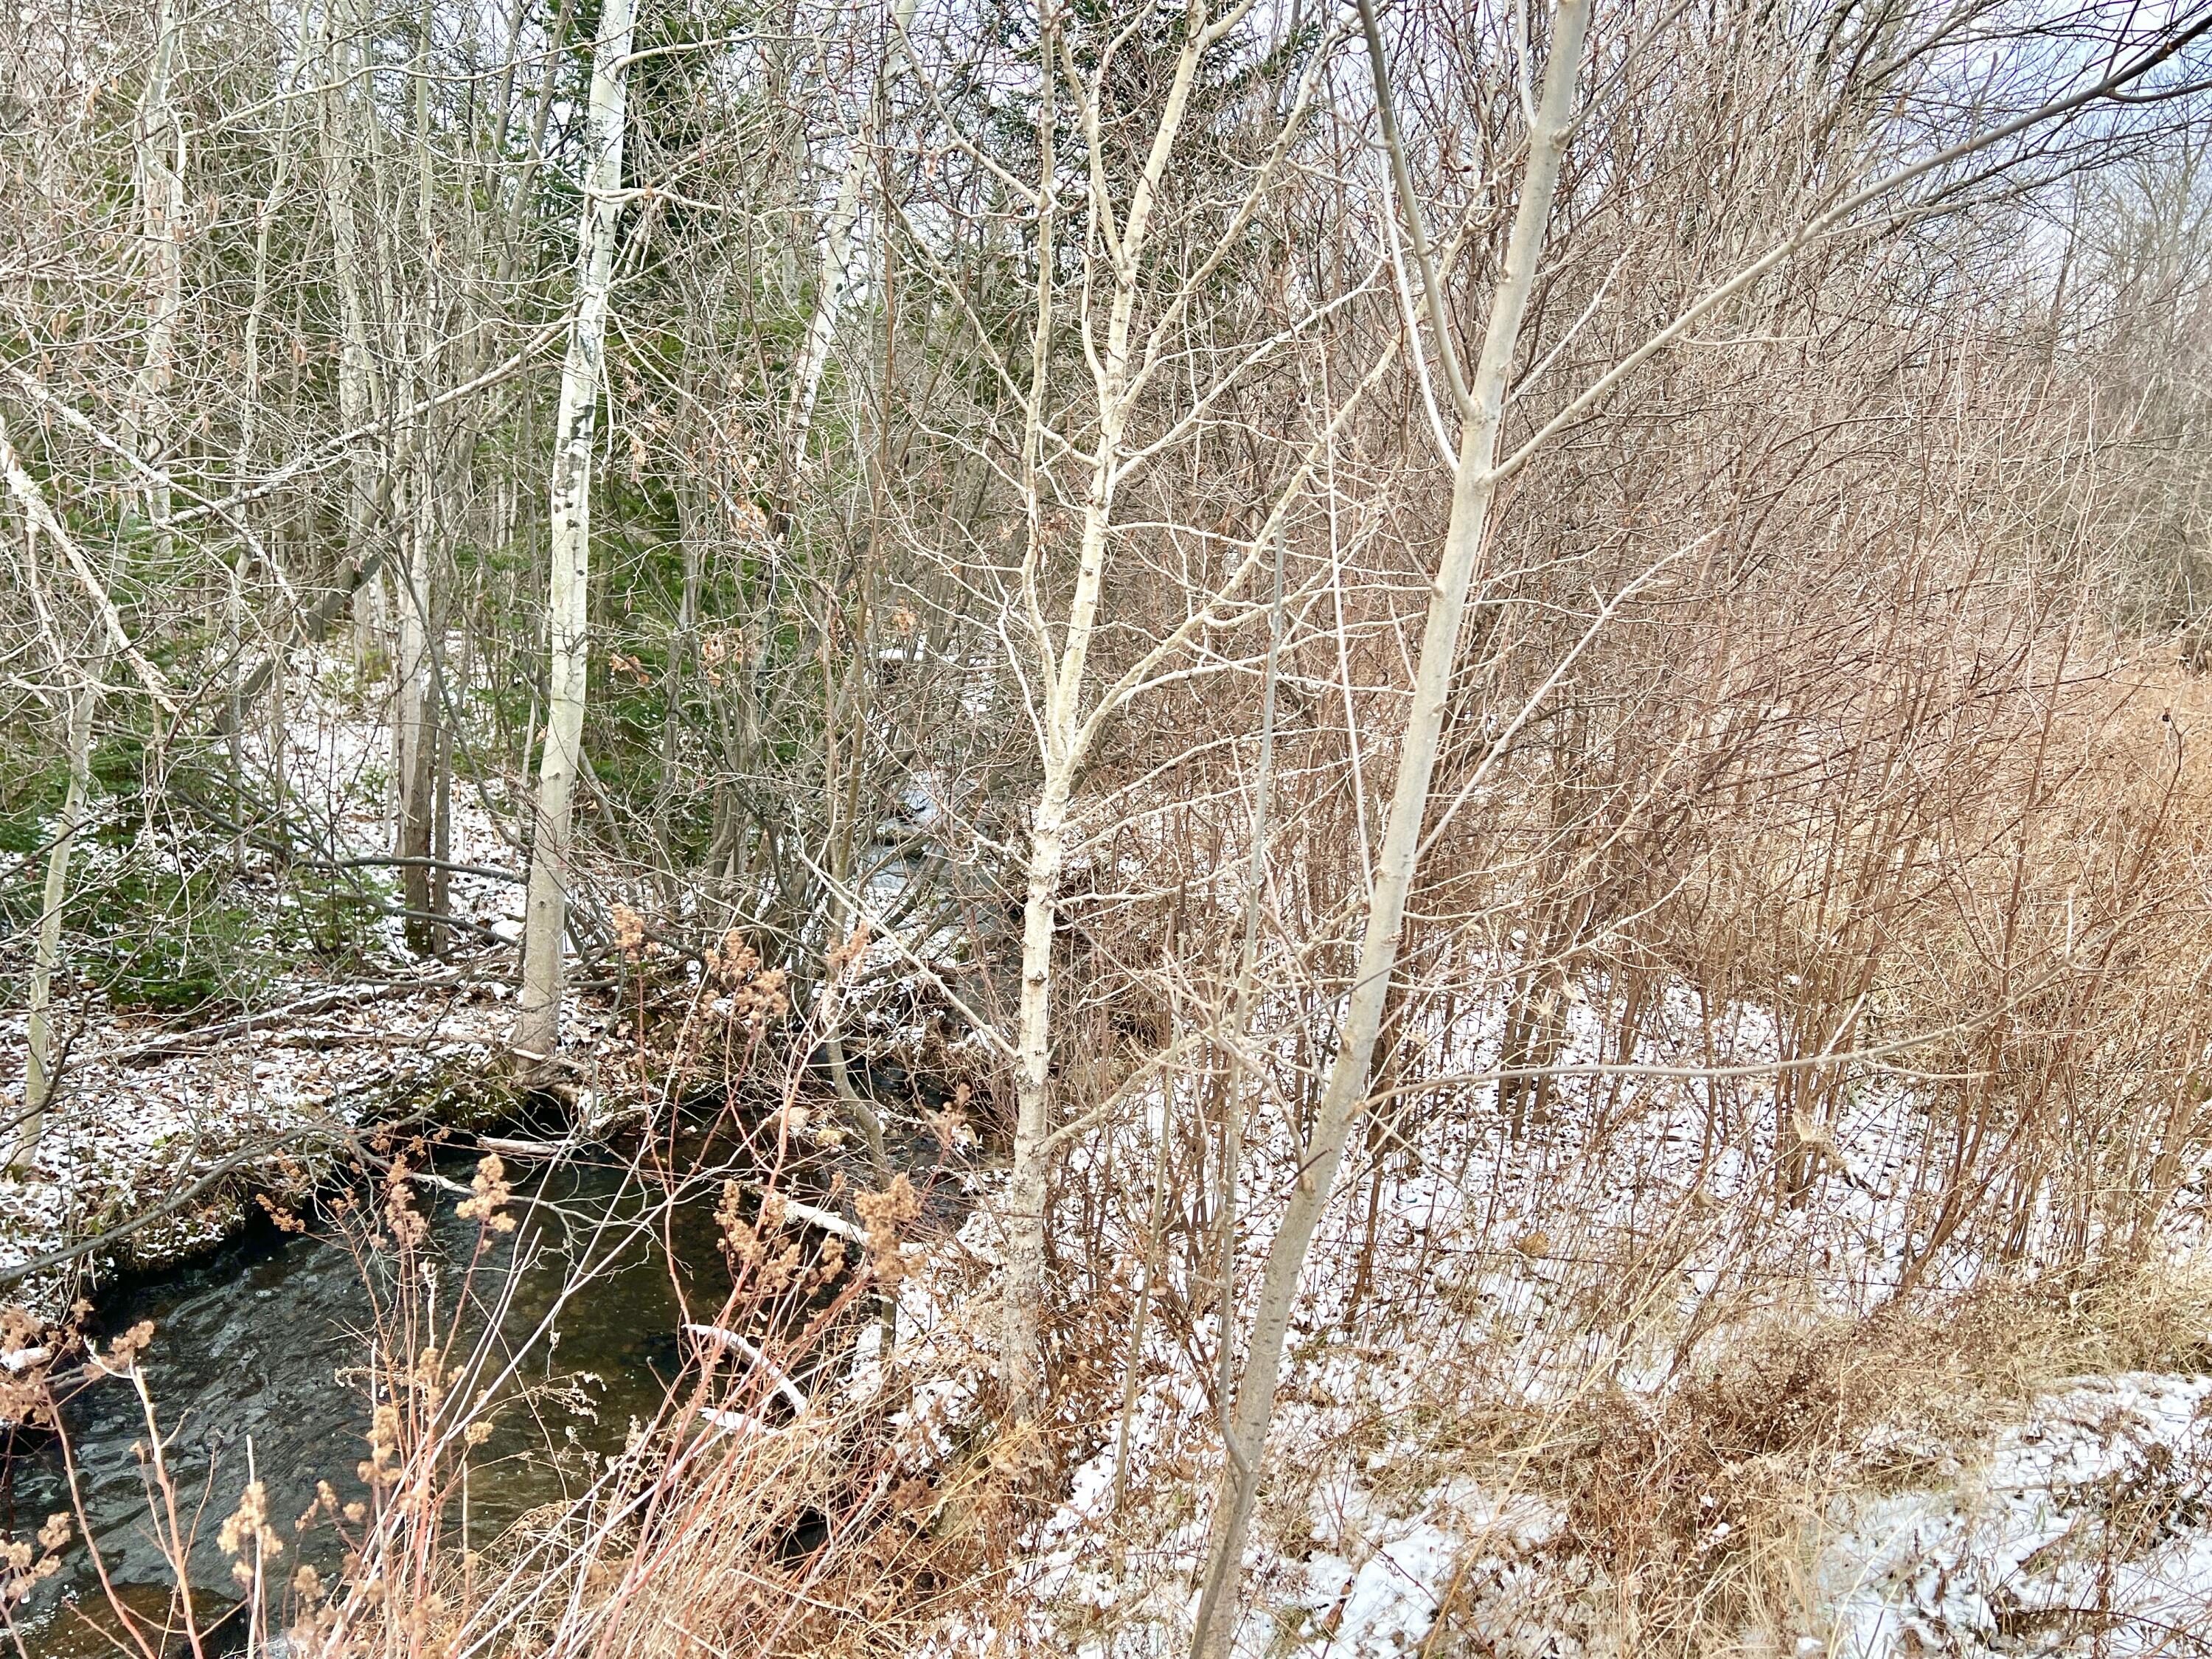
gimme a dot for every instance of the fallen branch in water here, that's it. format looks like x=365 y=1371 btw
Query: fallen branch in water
x=729 y=1339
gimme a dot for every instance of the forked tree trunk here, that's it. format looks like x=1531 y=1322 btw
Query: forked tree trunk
x=1023 y=1288
x=537 y=1026
x=1345 y=1098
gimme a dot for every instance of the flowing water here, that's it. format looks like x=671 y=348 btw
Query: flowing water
x=247 y=1372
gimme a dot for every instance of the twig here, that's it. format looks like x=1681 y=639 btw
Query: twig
x=729 y=1339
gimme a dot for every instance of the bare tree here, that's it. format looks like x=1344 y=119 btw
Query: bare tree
x=537 y=1023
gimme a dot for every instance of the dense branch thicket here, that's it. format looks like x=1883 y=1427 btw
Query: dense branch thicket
x=1044 y=468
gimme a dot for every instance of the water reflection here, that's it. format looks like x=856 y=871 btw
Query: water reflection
x=255 y=1353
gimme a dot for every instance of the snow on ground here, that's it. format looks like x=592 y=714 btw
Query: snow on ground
x=149 y=1106
x=1502 y=1274
x=336 y=758
x=1501 y=1264
x=2088 y=1529
x=150 y=1110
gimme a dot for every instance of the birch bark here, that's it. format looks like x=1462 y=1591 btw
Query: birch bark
x=1466 y=545
x=838 y=251
x=537 y=1025
x=1060 y=723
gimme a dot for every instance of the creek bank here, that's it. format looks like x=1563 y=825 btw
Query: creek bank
x=169 y=1136
x=256 y=1349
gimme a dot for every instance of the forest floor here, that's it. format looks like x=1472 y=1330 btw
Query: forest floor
x=1610 y=1397
x=1499 y=1471
x=168 y=1127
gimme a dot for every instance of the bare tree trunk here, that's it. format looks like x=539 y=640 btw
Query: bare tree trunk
x=158 y=163
x=537 y=1025
x=1046 y=863
x=249 y=409
x=39 y=1070
x=1061 y=722
x=518 y=204
x=158 y=159
x=1240 y=1017
x=1465 y=540
x=1023 y=1289
x=417 y=732
x=837 y=253
x=341 y=161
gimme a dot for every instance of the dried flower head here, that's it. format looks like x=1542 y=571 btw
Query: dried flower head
x=757 y=993
x=951 y=1128
x=492 y=1196
x=843 y=957
x=733 y=962
x=17 y=1575
x=247 y=1532
x=729 y=1214
x=408 y=1226
x=886 y=1215
x=286 y=1219
x=123 y=1353
x=380 y=1468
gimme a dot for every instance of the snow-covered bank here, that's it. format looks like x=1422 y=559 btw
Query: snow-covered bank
x=151 y=1112
x=1577 y=1388
x=2087 y=1529
x=175 y=1123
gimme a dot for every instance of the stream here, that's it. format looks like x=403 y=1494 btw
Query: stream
x=245 y=1365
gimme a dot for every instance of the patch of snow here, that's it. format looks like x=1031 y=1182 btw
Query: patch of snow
x=2089 y=1532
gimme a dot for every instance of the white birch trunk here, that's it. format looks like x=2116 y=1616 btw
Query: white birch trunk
x=1023 y=1290
x=537 y=1025
x=837 y=251
x=1345 y=1098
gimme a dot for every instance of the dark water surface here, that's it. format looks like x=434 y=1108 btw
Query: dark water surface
x=249 y=1363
